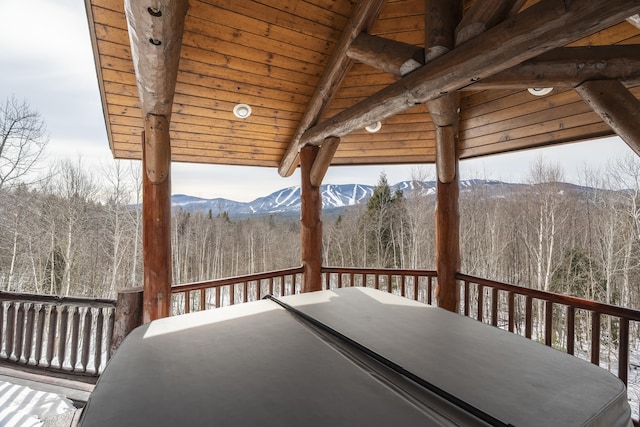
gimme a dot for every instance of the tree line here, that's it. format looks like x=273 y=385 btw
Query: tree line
x=78 y=234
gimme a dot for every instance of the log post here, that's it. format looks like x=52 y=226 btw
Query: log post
x=441 y=19
x=447 y=220
x=310 y=223
x=128 y=315
x=156 y=218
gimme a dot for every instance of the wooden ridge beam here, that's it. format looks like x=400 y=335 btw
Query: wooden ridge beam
x=390 y=56
x=155 y=33
x=365 y=14
x=569 y=67
x=544 y=26
x=617 y=107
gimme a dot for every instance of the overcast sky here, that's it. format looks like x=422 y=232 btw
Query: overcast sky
x=46 y=58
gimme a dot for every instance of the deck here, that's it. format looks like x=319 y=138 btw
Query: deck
x=73 y=338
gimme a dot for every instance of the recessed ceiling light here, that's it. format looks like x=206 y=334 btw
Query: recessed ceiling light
x=540 y=91
x=242 y=111
x=373 y=127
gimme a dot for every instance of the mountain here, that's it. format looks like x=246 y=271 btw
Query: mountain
x=334 y=197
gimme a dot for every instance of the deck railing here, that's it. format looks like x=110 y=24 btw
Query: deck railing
x=560 y=318
x=73 y=335
x=418 y=285
x=59 y=334
x=210 y=294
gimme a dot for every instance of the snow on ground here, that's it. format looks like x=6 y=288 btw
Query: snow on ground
x=22 y=406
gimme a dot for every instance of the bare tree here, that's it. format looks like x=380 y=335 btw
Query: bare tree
x=22 y=140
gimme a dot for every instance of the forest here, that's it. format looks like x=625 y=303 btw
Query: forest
x=78 y=233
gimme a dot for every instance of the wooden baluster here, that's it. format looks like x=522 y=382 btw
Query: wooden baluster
x=571 y=329
x=494 y=306
x=429 y=289
x=62 y=336
x=245 y=291
x=11 y=328
x=548 y=323
x=19 y=332
x=623 y=350
x=402 y=285
x=28 y=340
x=480 y=303
x=467 y=298
x=110 y=323
x=293 y=284
x=1 y=324
x=86 y=339
x=270 y=285
x=187 y=301
x=232 y=294
x=51 y=336
x=42 y=314
x=339 y=280
x=595 y=338
x=97 y=354
x=528 y=317
x=203 y=299
x=258 y=289
x=415 y=288
x=75 y=332
x=389 y=286
x=377 y=281
x=512 y=310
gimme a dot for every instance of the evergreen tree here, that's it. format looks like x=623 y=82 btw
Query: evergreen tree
x=385 y=225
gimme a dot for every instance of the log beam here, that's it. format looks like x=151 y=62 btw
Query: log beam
x=545 y=25
x=569 y=67
x=311 y=223
x=390 y=56
x=155 y=33
x=618 y=107
x=483 y=15
x=323 y=160
x=156 y=219
x=365 y=14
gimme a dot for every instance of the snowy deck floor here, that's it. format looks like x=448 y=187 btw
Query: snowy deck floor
x=32 y=399
x=76 y=391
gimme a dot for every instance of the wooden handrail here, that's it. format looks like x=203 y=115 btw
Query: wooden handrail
x=602 y=308
x=57 y=300
x=195 y=296
x=216 y=283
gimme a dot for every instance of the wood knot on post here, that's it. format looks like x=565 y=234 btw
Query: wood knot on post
x=157 y=148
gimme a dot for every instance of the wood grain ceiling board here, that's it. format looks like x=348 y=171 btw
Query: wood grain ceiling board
x=271 y=55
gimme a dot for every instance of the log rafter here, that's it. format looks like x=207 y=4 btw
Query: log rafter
x=365 y=14
x=617 y=107
x=538 y=29
x=569 y=67
x=390 y=56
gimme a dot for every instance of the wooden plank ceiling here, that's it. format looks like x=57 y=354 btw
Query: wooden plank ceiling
x=272 y=54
